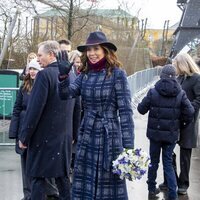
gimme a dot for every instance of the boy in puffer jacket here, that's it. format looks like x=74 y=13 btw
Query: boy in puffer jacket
x=169 y=108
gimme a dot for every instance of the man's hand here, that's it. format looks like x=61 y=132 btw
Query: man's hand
x=21 y=145
x=64 y=65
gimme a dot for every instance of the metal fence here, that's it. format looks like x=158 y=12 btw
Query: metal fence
x=139 y=84
x=141 y=81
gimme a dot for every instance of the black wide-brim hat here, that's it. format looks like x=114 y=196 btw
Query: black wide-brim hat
x=96 y=38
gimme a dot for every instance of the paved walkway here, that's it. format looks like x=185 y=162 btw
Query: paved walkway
x=11 y=184
x=138 y=189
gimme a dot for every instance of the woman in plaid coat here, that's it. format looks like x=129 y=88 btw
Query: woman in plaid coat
x=107 y=126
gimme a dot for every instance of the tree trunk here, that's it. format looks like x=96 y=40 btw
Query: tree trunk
x=70 y=19
x=9 y=36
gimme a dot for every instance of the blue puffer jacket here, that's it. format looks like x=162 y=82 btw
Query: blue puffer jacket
x=168 y=108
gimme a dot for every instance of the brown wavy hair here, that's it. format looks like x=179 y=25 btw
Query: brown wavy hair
x=111 y=60
x=28 y=83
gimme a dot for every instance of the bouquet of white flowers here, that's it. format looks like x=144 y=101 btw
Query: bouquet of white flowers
x=131 y=164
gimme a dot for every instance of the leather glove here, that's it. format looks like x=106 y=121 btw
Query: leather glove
x=64 y=65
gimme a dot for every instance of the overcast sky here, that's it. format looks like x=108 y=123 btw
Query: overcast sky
x=157 y=11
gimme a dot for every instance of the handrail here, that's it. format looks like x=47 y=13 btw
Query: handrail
x=142 y=80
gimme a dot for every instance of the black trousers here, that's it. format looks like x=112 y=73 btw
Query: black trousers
x=50 y=186
x=185 y=161
x=38 y=188
x=26 y=181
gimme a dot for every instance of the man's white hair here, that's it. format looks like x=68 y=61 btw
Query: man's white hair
x=50 y=46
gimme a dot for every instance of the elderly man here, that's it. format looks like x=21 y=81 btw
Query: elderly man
x=47 y=128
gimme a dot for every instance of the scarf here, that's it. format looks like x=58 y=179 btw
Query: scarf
x=98 y=66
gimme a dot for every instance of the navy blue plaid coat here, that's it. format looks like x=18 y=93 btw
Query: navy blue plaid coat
x=107 y=127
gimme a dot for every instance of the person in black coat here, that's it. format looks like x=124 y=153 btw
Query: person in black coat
x=16 y=125
x=168 y=107
x=47 y=128
x=189 y=78
x=17 y=119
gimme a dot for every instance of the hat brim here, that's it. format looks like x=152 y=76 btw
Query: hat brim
x=109 y=45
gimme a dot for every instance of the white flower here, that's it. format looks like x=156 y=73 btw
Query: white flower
x=131 y=164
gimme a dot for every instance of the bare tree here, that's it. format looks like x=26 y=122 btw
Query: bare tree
x=69 y=10
x=8 y=38
x=7 y=29
x=69 y=20
x=24 y=38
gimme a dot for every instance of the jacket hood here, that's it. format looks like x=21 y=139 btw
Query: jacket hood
x=168 y=87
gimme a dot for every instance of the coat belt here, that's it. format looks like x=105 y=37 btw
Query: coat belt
x=92 y=115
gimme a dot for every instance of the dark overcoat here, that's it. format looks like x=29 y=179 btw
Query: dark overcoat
x=168 y=105
x=190 y=135
x=107 y=127
x=17 y=119
x=47 y=128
